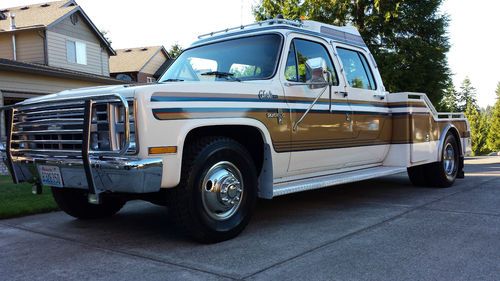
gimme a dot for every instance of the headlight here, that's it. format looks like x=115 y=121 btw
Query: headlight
x=108 y=127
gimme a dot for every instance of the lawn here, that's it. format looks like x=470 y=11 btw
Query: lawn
x=17 y=200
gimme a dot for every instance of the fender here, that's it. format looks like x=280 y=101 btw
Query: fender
x=442 y=137
x=173 y=163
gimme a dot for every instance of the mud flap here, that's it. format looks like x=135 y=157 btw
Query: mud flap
x=461 y=173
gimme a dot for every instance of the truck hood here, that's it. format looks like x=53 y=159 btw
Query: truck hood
x=125 y=90
x=145 y=91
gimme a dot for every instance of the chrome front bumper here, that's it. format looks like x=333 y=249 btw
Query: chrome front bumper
x=96 y=171
x=110 y=174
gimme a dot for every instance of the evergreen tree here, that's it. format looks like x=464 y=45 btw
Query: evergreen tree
x=407 y=37
x=494 y=130
x=478 y=129
x=175 y=50
x=449 y=103
x=467 y=95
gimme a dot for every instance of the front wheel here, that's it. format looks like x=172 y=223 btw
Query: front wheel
x=218 y=190
x=74 y=202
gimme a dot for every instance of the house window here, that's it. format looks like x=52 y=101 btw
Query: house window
x=150 y=79
x=76 y=52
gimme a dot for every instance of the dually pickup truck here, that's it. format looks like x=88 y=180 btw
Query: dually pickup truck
x=257 y=111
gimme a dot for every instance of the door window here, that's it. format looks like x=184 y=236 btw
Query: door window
x=357 y=70
x=305 y=58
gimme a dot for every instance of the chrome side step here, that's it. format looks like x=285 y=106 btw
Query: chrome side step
x=334 y=179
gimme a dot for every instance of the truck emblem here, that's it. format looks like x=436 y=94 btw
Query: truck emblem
x=278 y=115
x=266 y=95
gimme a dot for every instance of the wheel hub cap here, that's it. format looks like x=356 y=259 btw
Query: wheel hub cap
x=222 y=190
x=449 y=159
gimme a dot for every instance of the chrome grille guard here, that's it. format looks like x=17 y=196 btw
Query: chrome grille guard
x=86 y=153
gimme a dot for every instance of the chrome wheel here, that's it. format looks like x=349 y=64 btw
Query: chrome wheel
x=449 y=161
x=222 y=190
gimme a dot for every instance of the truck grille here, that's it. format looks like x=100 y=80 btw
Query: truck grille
x=57 y=128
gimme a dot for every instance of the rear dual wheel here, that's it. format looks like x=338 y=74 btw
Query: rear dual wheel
x=439 y=174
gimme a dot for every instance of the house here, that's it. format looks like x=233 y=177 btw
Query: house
x=140 y=65
x=49 y=47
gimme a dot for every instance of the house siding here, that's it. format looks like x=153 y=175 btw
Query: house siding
x=105 y=62
x=56 y=45
x=97 y=53
x=6 y=46
x=38 y=84
x=30 y=47
x=80 y=30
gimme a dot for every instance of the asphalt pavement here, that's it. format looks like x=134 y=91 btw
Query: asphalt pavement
x=382 y=229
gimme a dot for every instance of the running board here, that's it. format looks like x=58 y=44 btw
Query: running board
x=334 y=179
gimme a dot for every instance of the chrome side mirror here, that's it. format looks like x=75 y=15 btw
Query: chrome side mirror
x=318 y=79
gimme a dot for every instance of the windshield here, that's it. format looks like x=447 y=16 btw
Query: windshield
x=248 y=58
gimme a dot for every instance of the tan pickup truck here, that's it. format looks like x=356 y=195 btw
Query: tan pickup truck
x=257 y=111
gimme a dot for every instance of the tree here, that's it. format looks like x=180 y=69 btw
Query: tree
x=494 y=131
x=467 y=95
x=407 y=37
x=449 y=103
x=105 y=34
x=175 y=50
x=478 y=128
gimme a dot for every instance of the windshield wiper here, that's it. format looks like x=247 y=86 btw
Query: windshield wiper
x=221 y=74
x=173 y=80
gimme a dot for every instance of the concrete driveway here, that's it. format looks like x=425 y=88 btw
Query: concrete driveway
x=382 y=229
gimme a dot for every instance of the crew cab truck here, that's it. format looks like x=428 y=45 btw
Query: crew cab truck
x=257 y=111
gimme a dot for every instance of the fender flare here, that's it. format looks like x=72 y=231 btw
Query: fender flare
x=265 y=180
x=444 y=132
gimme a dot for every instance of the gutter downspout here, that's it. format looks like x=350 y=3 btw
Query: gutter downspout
x=13 y=27
x=3 y=137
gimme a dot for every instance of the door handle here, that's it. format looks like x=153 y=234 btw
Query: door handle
x=344 y=94
x=380 y=96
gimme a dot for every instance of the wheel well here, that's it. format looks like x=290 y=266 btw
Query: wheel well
x=250 y=137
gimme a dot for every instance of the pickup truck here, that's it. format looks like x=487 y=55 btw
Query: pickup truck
x=257 y=111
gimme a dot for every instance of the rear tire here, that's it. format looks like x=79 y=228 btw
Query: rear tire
x=444 y=173
x=417 y=175
x=74 y=202
x=218 y=190
x=439 y=174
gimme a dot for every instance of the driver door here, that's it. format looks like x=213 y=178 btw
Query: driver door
x=320 y=124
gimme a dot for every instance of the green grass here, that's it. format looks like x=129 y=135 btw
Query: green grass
x=17 y=200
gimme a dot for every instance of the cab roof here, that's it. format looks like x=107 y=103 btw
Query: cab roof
x=344 y=34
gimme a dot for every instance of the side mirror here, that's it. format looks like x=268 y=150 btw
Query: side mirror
x=318 y=79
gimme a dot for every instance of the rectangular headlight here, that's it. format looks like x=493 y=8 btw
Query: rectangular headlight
x=108 y=127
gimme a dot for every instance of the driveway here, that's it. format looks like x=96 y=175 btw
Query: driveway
x=383 y=229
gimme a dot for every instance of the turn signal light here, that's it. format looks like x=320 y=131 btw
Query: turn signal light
x=162 y=150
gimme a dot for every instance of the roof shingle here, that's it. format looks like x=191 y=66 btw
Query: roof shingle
x=36 y=15
x=132 y=59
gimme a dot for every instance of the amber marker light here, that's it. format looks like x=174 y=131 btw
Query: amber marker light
x=162 y=150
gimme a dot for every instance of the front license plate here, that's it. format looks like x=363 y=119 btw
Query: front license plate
x=50 y=175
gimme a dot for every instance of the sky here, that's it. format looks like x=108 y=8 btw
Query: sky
x=473 y=29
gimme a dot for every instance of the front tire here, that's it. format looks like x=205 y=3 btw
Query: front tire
x=74 y=202
x=218 y=190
